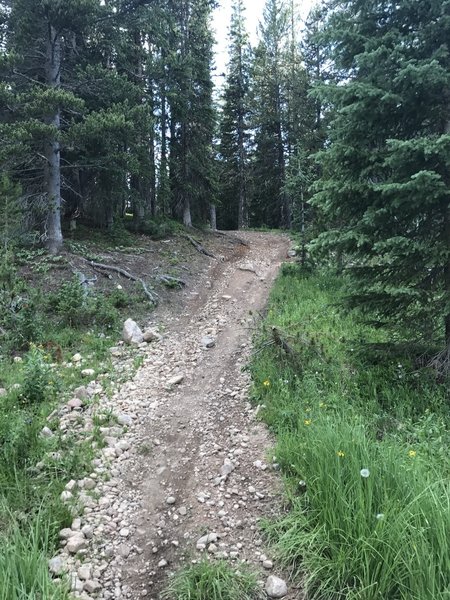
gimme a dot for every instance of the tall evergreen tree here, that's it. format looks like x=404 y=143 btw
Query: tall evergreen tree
x=386 y=175
x=270 y=204
x=234 y=125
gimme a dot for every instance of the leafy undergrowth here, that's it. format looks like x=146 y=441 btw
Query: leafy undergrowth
x=209 y=580
x=363 y=444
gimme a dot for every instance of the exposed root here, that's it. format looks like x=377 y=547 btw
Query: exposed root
x=199 y=247
x=152 y=296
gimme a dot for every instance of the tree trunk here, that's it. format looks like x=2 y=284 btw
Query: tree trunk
x=163 y=200
x=52 y=147
x=187 y=219
x=213 y=217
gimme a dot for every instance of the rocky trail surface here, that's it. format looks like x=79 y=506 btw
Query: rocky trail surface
x=185 y=470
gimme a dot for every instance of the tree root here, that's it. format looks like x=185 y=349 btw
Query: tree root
x=152 y=296
x=199 y=247
x=171 y=281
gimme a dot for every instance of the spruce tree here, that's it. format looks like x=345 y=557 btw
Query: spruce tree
x=386 y=174
x=234 y=125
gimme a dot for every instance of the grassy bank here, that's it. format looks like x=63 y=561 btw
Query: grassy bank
x=362 y=440
x=46 y=317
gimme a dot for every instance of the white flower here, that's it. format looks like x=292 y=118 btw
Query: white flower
x=380 y=516
x=364 y=473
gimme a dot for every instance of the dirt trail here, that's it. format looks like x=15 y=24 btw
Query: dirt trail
x=194 y=456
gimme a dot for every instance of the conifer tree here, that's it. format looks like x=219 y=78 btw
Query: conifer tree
x=234 y=125
x=386 y=175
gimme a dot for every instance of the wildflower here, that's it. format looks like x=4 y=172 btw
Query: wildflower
x=380 y=516
x=364 y=473
x=266 y=383
x=307 y=421
x=412 y=453
x=340 y=453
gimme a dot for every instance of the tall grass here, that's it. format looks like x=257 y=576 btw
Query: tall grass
x=364 y=449
x=209 y=580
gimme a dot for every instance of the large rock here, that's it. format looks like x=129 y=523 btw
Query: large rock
x=276 y=587
x=76 y=543
x=132 y=333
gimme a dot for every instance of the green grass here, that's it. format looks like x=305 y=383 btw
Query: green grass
x=335 y=411
x=216 y=580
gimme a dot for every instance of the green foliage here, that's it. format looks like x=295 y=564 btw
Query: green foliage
x=39 y=383
x=336 y=412
x=24 y=570
x=383 y=193
x=209 y=580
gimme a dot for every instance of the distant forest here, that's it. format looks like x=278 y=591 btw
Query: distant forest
x=337 y=128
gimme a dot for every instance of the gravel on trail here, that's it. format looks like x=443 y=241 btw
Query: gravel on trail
x=187 y=468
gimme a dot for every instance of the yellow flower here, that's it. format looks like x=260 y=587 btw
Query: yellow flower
x=307 y=421
x=412 y=453
x=340 y=453
x=266 y=383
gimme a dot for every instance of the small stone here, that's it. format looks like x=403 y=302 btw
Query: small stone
x=18 y=359
x=57 y=565
x=46 y=432
x=276 y=587
x=162 y=563
x=150 y=335
x=66 y=496
x=175 y=380
x=124 y=532
x=74 y=403
x=84 y=572
x=210 y=538
x=81 y=393
x=76 y=543
x=292 y=253
x=226 y=297
x=182 y=511
x=171 y=500
x=124 y=420
x=87 y=373
x=92 y=586
x=208 y=342
x=227 y=468
x=89 y=484
x=3 y=392
x=267 y=564
x=124 y=550
x=76 y=358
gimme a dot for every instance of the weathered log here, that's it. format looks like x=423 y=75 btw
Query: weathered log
x=199 y=247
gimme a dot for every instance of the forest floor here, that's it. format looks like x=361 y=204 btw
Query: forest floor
x=193 y=459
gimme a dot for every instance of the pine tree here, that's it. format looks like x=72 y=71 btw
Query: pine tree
x=386 y=175
x=270 y=204
x=234 y=125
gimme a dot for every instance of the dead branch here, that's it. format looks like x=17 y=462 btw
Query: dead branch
x=281 y=342
x=171 y=281
x=150 y=295
x=234 y=238
x=199 y=247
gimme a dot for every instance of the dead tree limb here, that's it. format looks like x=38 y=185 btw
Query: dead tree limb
x=171 y=281
x=234 y=238
x=150 y=295
x=281 y=342
x=199 y=247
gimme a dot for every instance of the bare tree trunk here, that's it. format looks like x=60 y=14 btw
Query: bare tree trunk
x=187 y=219
x=52 y=147
x=213 y=217
x=163 y=199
